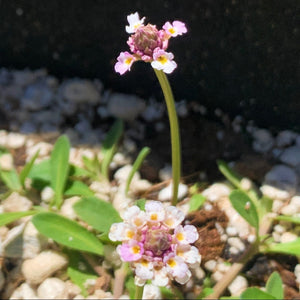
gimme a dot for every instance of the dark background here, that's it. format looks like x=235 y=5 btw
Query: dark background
x=240 y=56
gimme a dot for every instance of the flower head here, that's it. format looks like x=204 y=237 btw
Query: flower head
x=148 y=43
x=155 y=243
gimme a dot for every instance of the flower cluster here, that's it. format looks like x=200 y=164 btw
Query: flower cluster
x=156 y=244
x=147 y=43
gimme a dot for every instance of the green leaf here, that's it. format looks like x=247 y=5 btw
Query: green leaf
x=233 y=177
x=256 y=293
x=67 y=232
x=205 y=292
x=26 y=170
x=79 y=270
x=109 y=146
x=142 y=155
x=295 y=220
x=274 y=286
x=75 y=171
x=9 y=217
x=97 y=213
x=79 y=188
x=59 y=168
x=196 y=202
x=40 y=174
x=141 y=203
x=291 y=248
x=11 y=179
x=243 y=204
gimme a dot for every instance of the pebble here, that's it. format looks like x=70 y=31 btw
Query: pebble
x=15 y=202
x=210 y=265
x=80 y=91
x=231 y=231
x=274 y=193
x=67 y=207
x=287 y=237
x=166 y=193
x=15 y=140
x=217 y=276
x=291 y=156
x=6 y=162
x=24 y=291
x=52 y=288
x=289 y=210
x=263 y=140
x=237 y=243
x=165 y=173
x=37 y=269
x=285 y=138
x=216 y=191
x=122 y=174
x=246 y=184
x=47 y=194
x=282 y=177
x=297 y=273
x=238 y=285
x=126 y=107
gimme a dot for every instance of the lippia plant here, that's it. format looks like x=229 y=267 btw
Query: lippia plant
x=149 y=44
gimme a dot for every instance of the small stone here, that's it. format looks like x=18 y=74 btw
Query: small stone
x=6 y=162
x=246 y=184
x=238 y=285
x=285 y=138
x=295 y=201
x=24 y=291
x=80 y=91
x=251 y=238
x=263 y=140
x=222 y=267
x=43 y=148
x=289 y=210
x=166 y=193
x=279 y=228
x=274 y=193
x=37 y=269
x=15 y=140
x=126 y=107
x=217 y=276
x=276 y=236
x=15 y=202
x=67 y=209
x=139 y=186
x=233 y=250
x=47 y=194
x=122 y=174
x=287 y=237
x=291 y=156
x=237 y=243
x=165 y=173
x=277 y=205
x=52 y=288
x=231 y=231
x=210 y=265
x=282 y=177
x=216 y=191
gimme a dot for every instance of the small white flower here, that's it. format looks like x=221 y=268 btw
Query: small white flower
x=121 y=232
x=155 y=211
x=186 y=235
x=163 y=61
x=174 y=217
x=144 y=269
x=134 y=22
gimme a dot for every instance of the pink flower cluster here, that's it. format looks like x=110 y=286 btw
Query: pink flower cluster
x=147 y=43
x=156 y=244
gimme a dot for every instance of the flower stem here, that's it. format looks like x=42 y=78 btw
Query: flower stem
x=174 y=128
x=139 y=292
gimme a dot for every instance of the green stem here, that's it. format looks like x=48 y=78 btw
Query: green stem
x=174 y=127
x=139 y=292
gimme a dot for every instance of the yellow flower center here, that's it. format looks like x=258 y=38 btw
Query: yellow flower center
x=180 y=236
x=153 y=217
x=136 y=249
x=138 y=222
x=171 y=262
x=128 y=61
x=130 y=234
x=172 y=30
x=162 y=59
x=145 y=263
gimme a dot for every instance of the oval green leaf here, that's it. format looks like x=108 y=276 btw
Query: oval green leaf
x=245 y=207
x=77 y=188
x=59 y=167
x=256 y=293
x=67 y=232
x=196 y=202
x=97 y=213
x=274 y=286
